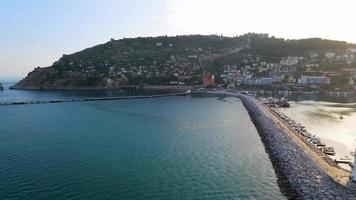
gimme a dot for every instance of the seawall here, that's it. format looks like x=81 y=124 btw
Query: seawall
x=299 y=176
x=90 y=99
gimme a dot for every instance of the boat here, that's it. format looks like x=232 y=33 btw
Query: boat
x=341 y=116
x=329 y=151
x=56 y=101
x=1 y=87
x=283 y=103
x=315 y=140
x=306 y=134
x=344 y=160
x=321 y=144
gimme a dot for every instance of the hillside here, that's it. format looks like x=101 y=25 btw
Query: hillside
x=160 y=60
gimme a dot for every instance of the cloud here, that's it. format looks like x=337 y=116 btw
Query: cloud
x=283 y=18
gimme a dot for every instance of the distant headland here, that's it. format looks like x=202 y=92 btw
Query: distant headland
x=250 y=60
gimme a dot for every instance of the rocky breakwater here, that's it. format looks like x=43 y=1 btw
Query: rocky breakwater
x=299 y=176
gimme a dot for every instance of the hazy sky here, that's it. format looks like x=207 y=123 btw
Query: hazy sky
x=37 y=32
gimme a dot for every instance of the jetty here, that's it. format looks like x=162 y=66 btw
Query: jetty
x=302 y=171
x=91 y=99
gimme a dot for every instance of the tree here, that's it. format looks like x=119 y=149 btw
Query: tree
x=340 y=81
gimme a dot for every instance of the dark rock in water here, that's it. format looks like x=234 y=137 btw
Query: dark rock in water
x=299 y=176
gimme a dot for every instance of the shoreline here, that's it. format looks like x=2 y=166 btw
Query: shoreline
x=126 y=87
x=326 y=163
x=91 y=99
x=301 y=173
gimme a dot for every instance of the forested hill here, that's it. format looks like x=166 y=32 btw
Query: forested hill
x=160 y=60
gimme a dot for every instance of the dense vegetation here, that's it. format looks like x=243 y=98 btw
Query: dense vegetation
x=276 y=47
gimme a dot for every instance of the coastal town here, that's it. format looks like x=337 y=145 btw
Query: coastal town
x=178 y=99
x=243 y=62
x=330 y=70
x=235 y=67
x=335 y=72
x=294 y=71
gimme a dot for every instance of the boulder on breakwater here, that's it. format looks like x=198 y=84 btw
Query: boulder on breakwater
x=299 y=176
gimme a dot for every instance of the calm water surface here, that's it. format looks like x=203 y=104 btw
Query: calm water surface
x=165 y=148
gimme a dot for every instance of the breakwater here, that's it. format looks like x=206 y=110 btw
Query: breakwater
x=89 y=99
x=300 y=177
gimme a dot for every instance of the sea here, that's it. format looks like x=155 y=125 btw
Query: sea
x=165 y=148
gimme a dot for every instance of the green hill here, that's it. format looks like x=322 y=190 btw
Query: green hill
x=159 y=60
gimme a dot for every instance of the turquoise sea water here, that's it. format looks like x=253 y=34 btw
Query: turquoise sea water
x=164 y=148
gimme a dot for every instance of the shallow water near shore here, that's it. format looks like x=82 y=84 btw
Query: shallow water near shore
x=165 y=148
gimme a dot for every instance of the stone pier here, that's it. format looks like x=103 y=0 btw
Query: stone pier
x=299 y=176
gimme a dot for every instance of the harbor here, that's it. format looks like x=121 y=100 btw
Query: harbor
x=305 y=164
x=325 y=149
x=313 y=141
x=331 y=122
x=301 y=161
x=316 y=147
x=302 y=170
x=125 y=146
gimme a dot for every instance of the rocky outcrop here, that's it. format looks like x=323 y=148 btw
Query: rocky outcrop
x=298 y=174
x=49 y=78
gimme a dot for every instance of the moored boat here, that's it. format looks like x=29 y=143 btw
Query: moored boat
x=329 y=151
x=315 y=140
x=283 y=103
x=321 y=144
x=344 y=160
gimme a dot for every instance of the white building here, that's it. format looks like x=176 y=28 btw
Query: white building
x=290 y=60
x=258 y=81
x=352 y=50
x=313 y=55
x=314 y=80
x=266 y=81
x=329 y=55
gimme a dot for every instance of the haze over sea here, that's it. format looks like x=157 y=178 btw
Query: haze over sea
x=164 y=148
